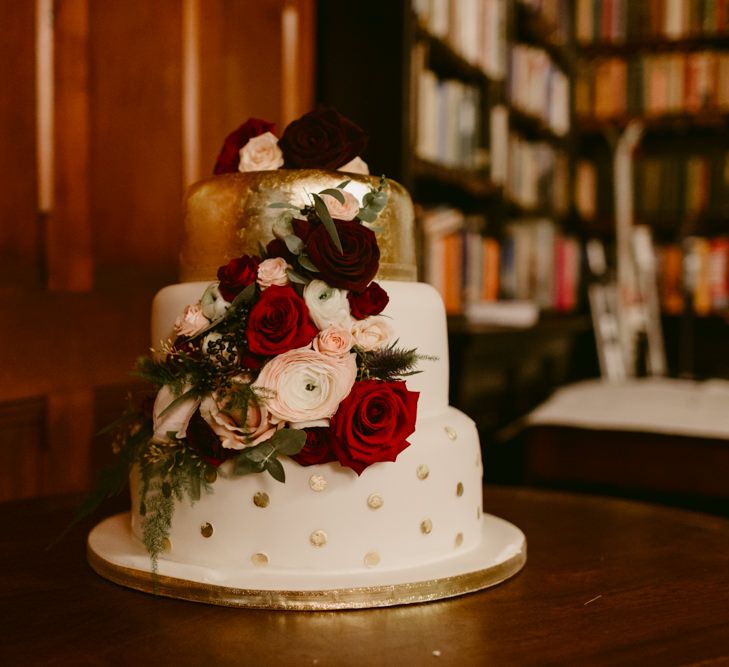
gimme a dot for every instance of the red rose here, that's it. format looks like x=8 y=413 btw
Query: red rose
x=278 y=322
x=318 y=448
x=229 y=157
x=237 y=274
x=321 y=139
x=371 y=301
x=373 y=422
x=356 y=266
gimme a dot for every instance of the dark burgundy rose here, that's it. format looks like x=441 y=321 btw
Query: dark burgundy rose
x=277 y=247
x=204 y=441
x=279 y=321
x=318 y=448
x=356 y=266
x=373 y=423
x=322 y=139
x=237 y=274
x=371 y=301
x=229 y=157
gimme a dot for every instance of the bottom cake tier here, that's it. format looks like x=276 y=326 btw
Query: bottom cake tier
x=425 y=507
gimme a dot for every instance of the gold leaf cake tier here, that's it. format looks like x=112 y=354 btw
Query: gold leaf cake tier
x=230 y=215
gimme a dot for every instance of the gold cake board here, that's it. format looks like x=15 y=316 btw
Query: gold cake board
x=114 y=553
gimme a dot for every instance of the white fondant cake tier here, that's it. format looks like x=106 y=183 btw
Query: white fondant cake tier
x=424 y=507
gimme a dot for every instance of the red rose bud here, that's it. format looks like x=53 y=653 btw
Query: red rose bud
x=356 y=266
x=318 y=448
x=371 y=301
x=229 y=156
x=373 y=423
x=278 y=322
x=322 y=139
x=237 y=274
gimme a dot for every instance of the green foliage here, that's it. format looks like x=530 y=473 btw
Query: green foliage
x=334 y=192
x=323 y=213
x=373 y=202
x=288 y=441
x=391 y=363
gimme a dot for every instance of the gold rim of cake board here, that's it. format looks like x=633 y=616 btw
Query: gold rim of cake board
x=313 y=600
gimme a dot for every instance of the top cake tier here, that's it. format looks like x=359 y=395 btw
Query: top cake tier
x=230 y=215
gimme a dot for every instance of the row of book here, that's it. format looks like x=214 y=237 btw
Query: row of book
x=448 y=119
x=699 y=270
x=554 y=15
x=631 y=21
x=532 y=262
x=539 y=88
x=670 y=186
x=475 y=29
x=537 y=175
x=653 y=85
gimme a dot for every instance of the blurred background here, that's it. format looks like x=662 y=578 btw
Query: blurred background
x=570 y=167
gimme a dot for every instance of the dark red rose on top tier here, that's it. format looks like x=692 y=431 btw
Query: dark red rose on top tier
x=352 y=269
x=277 y=247
x=371 y=301
x=229 y=157
x=373 y=423
x=237 y=274
x=322 y=139
x=279 y=321
x=318 y=448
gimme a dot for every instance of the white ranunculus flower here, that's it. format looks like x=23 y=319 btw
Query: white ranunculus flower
x=356 y=166
x=305 y=387
x=212 y=303
x=273 y=272
x=346 y=210
x=191 y=322
x=173 y=420
x=261 y=153
x=372 y=333
x=328 y=306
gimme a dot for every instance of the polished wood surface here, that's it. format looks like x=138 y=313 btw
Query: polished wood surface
x=606 y=582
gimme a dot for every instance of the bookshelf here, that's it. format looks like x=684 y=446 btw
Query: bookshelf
x=468 y=104
x=666 y=64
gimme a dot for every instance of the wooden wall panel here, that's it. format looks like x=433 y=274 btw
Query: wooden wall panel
x=136 y=131
x=19 y=228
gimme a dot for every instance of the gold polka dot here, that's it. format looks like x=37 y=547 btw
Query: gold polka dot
x=422 y=471
x=372 y=559
x=206 y=530
x=459 y=539
x=318 y=538
x=259 y=559
x=261 y=499
x=451 y=433
x=459 y=489
x=211 y=475
x=426 y=525
x=375 y=501
x=317 y=482
x=166 y=545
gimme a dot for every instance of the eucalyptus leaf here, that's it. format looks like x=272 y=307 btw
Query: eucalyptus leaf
x=323 y=212
x=276 y=469
x=294 y=244
x=259 y=453
x=344 y=184
x=288 y=441
x=282 y=228
x=332 y=192
x=244 y=296
x=190 y=393
x=283 y=204
x=296 y=277
x=367 y=215
x=244 y=466
x=307 y=264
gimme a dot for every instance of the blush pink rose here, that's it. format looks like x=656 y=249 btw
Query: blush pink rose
x=235 y=429
x=304 y=387
x=191 y=322
x=334 y=341
x=261 y=153
x=273 y=272
x=346 y=210
x=372 y=333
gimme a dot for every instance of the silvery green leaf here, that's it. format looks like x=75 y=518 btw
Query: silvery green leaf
x=375 y=228
x=344 y=184
x=323 y=212
x=296 y=277
x=283 y=204
x=367 y=215
x=332 y=192
x=276 y=469
x=244 y=466
x=245 y=295
x=288 y=441
x=282 y=227
x=294 y=244
x=307 y=264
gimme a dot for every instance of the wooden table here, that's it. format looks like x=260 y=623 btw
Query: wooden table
x=606 y=582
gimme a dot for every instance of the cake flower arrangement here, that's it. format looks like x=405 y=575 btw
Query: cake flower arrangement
x=286 y=354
